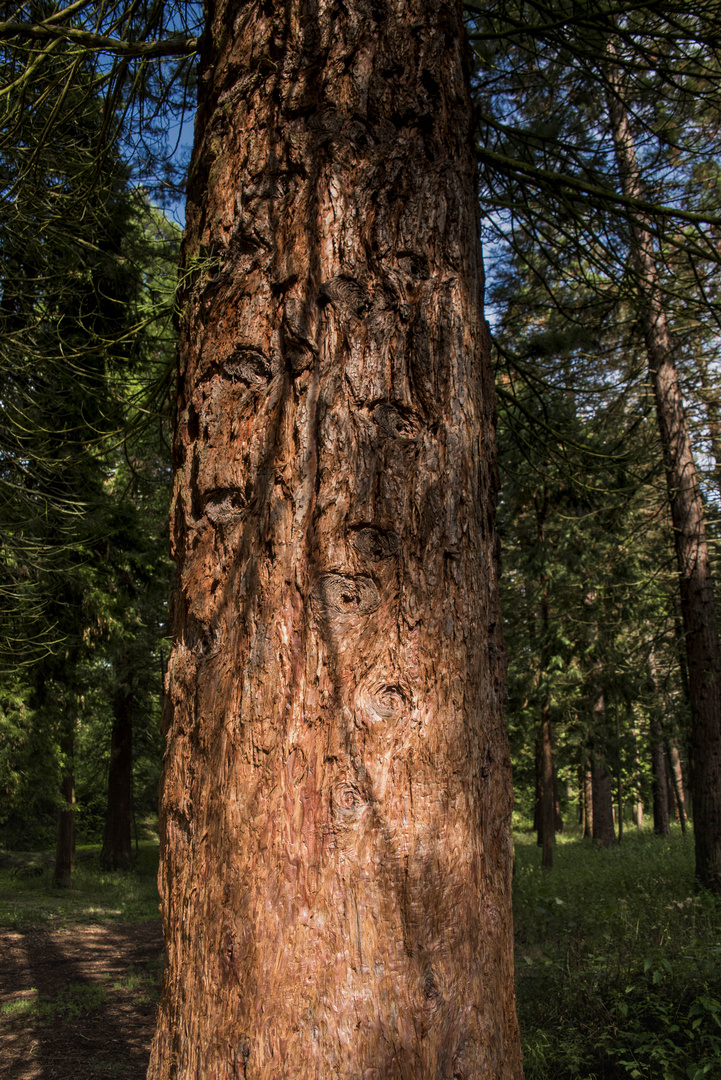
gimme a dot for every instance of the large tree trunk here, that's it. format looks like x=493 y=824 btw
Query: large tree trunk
x=692 y=555
x=117 y=848
x=336 y=851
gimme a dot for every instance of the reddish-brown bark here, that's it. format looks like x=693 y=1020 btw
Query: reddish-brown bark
x=698 y=608
x=336 y=854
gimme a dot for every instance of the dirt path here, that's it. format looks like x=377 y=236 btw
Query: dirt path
x=78 y=1003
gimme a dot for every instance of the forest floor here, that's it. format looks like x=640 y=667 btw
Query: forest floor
x=78 y=1002
x=80 y=968
x=618 y=964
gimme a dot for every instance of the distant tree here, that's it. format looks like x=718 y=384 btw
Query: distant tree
x=595 y=153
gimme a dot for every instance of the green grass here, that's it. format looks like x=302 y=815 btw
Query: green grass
x=143 y=983
x=72 y=1002
x=618 y=962
x=95 y=896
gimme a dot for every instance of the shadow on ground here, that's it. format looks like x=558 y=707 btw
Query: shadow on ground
x=78 y=1002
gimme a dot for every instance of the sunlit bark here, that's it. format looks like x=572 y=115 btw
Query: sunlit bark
x=335 y=824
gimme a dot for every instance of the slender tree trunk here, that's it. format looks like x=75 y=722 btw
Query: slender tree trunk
x=661 y=825
x=638 y=804
x=602 y=794
x=676 y=772
x=117 y=850
x=603 y=832
x=336 y=849
x=557 y=815
x=681 y=653
x=548 y=823
x=546 y=819
x=588 y=800
x=619 y=777
x=538 y=792
x=670 y=796
x=696 y=589
x=65 y=846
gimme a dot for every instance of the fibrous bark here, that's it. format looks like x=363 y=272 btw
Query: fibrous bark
x=335 y=824
x=698 y=609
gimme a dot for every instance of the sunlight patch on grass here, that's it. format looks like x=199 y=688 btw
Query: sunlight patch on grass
x=74 y=1000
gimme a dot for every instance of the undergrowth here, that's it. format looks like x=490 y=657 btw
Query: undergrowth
x=618 y=962
x=28 y=896
x=618 y=955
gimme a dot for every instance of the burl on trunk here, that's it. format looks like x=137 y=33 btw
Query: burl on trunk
x=336 y=851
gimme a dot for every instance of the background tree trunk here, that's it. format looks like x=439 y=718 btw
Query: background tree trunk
x=117 y=848
x=65 y=845
x=548 y=805
x=637 y=786
x=619 y=778
x=336 y=850
x=676 y=772
x=588 y=800
x=603 y=832
x=661 y=824
x=689 y=528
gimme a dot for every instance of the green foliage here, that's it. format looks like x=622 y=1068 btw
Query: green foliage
x=618 y=962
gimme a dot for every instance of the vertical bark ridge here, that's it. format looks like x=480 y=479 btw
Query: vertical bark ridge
x=336 y=802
